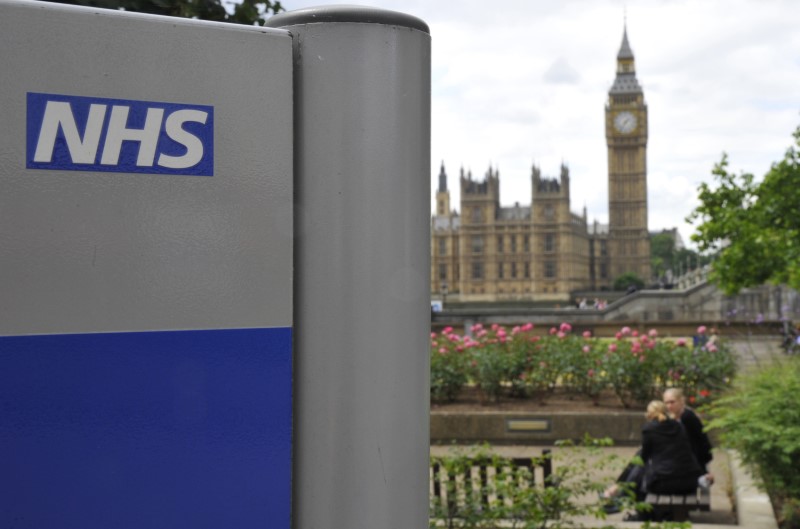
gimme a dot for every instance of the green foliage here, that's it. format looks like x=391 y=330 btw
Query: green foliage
x=664 y=256
x=448 y=372
x=759 y=418
x=789 y=514
x=627 y=280
x=248 y=12
x=465 y=507
x=490 y=368
x=522 y=364
x=580 y=472
x=753 y=226
x=662 y=253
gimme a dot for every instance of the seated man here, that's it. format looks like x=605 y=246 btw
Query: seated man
x=701 y=446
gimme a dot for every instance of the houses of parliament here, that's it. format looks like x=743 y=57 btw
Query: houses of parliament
x=545 y=251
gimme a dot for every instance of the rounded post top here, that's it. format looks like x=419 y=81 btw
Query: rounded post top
x=347 y=13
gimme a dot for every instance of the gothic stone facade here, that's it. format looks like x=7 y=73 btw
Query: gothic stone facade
x=545 y=251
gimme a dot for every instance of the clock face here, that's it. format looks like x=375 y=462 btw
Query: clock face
x=625 y=122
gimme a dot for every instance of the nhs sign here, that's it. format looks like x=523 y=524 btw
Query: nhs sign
x=76 y=133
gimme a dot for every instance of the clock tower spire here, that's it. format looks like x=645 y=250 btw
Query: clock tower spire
x=626 y=138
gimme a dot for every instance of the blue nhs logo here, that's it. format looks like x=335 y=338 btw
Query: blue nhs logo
x=75 y=133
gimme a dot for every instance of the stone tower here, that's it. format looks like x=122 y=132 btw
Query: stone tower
x=626 y=137
x=442 y=194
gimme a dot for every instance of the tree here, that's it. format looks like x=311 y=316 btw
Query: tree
x=628 y=280
x=662 y=253
x=664 y=256
x=753 y=227
x=248 y=12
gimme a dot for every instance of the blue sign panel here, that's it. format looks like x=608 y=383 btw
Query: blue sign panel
x=76 y=133
x=146 y=430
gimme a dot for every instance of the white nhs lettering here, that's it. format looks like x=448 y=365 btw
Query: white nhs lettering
x=83 y=150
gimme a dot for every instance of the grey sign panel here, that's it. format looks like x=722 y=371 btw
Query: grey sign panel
x=145 y=271
x=105 y=228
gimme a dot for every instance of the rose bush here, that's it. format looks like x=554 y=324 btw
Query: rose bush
x=521 y=363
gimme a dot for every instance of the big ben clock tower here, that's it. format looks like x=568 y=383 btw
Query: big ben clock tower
x=626 y=136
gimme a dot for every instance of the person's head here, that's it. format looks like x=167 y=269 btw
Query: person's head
x=656 y=411
x=673 y=398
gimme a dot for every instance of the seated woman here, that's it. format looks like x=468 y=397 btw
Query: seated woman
x=670 y=466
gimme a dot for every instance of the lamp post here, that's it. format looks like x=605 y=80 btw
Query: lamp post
x=444 y=293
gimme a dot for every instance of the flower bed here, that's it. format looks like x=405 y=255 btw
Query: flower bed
x=518 y=363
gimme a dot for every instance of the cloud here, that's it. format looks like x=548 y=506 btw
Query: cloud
x=560 y=72
x=520 y=81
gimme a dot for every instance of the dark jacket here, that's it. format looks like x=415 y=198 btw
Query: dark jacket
x=698 y=440
x=670 y=465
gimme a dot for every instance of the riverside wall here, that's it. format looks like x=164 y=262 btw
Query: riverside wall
x=762 y=310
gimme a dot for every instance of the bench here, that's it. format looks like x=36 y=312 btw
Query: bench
x=460 y=484
x=677 y=507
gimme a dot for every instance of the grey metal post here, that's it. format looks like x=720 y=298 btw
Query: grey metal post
x=362 y=198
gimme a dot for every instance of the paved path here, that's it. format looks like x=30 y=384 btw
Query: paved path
x=752 y=351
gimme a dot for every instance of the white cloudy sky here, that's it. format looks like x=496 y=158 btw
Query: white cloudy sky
x=517 y=82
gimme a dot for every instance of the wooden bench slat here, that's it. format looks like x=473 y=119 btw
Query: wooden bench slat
x=680 y=505
x=691 y=501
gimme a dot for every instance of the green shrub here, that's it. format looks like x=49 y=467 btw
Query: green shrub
x=760 y=418
x=702 y=370
x=579 y=474
x=521 y=364
x=465 y=510
x=448 y=372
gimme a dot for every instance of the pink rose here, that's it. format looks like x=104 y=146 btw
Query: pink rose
x=681 y=342
x=553 y=330
x=527 y=327
x=442 y=351
x=565 y=327
x=701 y=330
x=653 y=333
x=618 y=336
x=612 y=347
x=587 y=334
x=561 y=334
x=586 y=348
x=447 y=330
x=625 y=331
